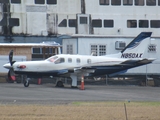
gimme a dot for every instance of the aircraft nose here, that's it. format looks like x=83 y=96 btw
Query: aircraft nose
x=7 y=65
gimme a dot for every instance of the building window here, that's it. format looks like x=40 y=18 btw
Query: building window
x=151 y=2
x=13 y=21
x=127 y=2
x=104 y=2
x=108 y=23
x=63 y=23
x=94 y=50
x=49 y=50
x=155 y=23
x=36 y=51
x=131 y=23
x=143 y=23
x=98 y=50
x=78 y=60
x=39 y=1
x=102 y=50
x=52 y=2
x=139 y=2
x=152 y=48
x=72 y=23
x=116 y=2
x=16 y=1
x=69 y=49
x=83 y=20
x=97 y=23
x=69 y=60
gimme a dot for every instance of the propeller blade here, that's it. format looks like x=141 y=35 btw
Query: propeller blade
x=11 y=74
x=11 y=57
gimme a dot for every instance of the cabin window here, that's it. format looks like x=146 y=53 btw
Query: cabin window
x=16 y=1
x=127 y=2
x=78 y=60
x=83 y=20
x=139 y=2
x=104 y=2
x=60 y=60
x=143 y=23
x=108 y=23
x=63 y=23
x=69 y=49
x=151 y=2
x=131 y=23
x=39 y=1
x=72 y=22
x=52 y=2
x=155 y=23
x=97 y=23
x=88 y=61
x=69 y=60
x=152 y=48
x=116 y=2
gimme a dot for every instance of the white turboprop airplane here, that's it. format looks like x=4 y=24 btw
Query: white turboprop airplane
x=76 y=66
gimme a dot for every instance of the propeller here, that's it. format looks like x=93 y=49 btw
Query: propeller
x=11 y=57
x=11 y=73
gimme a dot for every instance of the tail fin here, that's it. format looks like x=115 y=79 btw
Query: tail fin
x=136 y=48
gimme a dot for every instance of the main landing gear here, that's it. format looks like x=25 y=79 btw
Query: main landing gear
x=59 y=84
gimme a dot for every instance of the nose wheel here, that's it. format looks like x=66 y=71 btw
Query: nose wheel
x=26 y=83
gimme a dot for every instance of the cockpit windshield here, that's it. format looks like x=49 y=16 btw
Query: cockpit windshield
x=52 y=59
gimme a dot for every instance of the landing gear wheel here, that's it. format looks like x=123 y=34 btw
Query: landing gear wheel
x=59 y=84
x=26 y=83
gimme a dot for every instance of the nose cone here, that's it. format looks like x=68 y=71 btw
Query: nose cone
x=8 y=66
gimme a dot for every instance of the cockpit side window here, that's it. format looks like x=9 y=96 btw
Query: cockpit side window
x=60 y=60
x=52 y=59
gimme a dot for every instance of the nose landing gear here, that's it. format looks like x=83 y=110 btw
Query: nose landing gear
x=26 y=82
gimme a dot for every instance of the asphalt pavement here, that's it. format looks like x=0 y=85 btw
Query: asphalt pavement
x=49 y=94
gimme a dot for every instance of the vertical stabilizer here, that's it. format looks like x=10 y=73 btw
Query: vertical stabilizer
x=136 y=48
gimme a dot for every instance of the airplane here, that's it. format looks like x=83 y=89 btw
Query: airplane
x=76 y=66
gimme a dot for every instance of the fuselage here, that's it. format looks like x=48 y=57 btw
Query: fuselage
x=63 y=62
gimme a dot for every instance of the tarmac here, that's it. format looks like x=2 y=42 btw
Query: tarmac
x=13 y=93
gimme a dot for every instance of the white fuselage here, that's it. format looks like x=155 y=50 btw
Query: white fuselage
x=70 y=62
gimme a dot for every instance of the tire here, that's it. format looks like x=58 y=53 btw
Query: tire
x=59 y=84
x=26 y=84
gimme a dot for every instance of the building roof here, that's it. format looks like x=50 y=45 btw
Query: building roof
x=43 y=44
